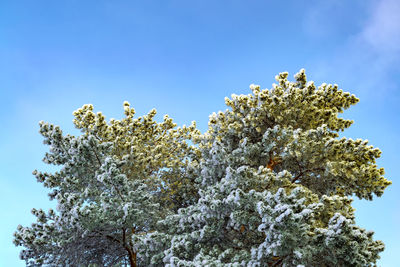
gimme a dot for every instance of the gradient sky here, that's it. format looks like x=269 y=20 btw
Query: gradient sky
x=183 y=58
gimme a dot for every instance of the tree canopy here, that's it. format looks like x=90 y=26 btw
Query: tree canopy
x=269 y=184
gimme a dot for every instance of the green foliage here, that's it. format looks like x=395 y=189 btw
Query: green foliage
x=269 y=184
x=275 y=181
x=116 y=181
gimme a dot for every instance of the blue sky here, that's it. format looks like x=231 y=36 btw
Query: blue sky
x=183 y=58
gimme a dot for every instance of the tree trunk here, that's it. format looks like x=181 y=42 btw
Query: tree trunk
x=131 y=253
x=128 y=247
x=132 y=258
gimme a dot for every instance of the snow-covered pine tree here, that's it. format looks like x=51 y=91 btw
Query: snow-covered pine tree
x=275 y=183
x=115 y=182
x=272 y=188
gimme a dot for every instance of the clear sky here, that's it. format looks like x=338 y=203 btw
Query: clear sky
x=183 y=58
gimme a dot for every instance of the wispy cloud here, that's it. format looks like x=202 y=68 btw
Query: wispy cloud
x=382 y=30
x=368 y=56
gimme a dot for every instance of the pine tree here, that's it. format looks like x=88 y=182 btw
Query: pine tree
x=275 y=183
x=116 y=181
x=269 y=184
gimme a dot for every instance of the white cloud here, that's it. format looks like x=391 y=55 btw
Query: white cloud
x=367 y=58
x=382 y=30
